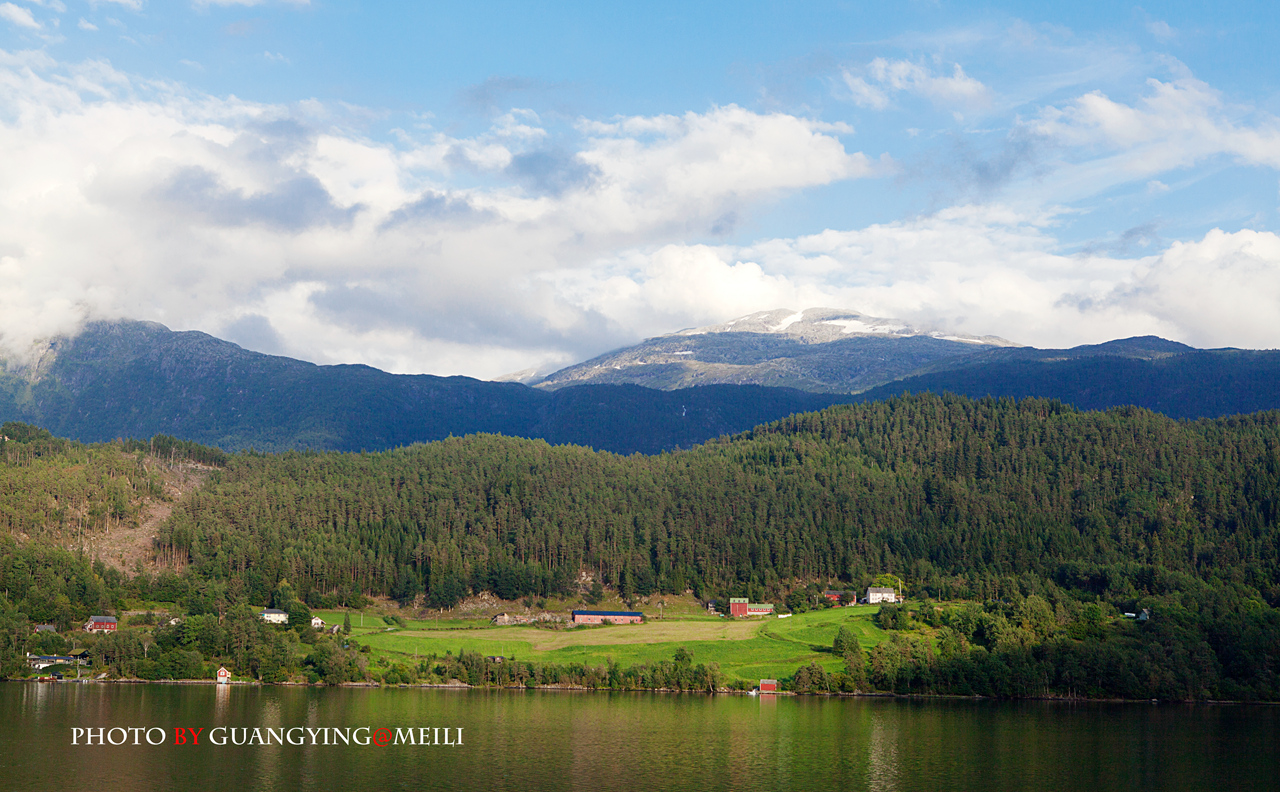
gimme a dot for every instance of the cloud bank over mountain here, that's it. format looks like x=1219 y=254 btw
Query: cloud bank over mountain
x=543 y=238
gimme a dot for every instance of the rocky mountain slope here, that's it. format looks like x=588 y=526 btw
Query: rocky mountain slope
x=821 y=350
x=137 y=379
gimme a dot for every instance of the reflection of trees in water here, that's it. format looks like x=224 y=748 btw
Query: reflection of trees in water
x=882 y=755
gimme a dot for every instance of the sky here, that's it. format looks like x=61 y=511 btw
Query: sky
x=486 y=187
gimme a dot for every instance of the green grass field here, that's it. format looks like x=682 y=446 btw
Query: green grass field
x=744 y=649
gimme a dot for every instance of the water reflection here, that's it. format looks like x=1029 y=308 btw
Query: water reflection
x=882 y=754
x=601 y=741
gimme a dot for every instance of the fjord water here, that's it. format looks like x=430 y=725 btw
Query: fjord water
x=535 y=740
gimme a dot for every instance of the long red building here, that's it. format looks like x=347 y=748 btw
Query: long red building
x=741 y=606
x=607 y=617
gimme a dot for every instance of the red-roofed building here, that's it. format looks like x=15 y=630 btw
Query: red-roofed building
x=100 y=624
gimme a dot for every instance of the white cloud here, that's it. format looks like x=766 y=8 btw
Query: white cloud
x=121 y=198
x=873 y=85
x=1161 y=30
x=85 y=24
x=18 y=16
x=53 y=5
x=1176 y=124
x=523 y=246
x=206 y=3
x=135 y=5
x=976 y=269
x=275 y=57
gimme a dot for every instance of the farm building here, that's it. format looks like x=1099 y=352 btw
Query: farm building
x=837 y=596
x=41 y=662
x=507 y=619
x=768 y=686
x=100 y=624
x=876 y=594
x=317 y=623
x=607 y=617
x=740 y=606
x=273 y=616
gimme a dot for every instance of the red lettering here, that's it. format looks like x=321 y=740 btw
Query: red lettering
x=178 y=737
x=195 y=735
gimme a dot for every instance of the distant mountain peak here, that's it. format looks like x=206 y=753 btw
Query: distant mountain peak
x=822 y=325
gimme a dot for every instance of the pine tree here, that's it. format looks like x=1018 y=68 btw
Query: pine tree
x=346 y=623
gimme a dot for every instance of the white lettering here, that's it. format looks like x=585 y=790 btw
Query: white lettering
x=124 y=735
x=135 y=731
x=257 y=735
x=155 y=729
x=364 y=729
x=272 y=733
x=313 y=732
x=424 y=736
x=215 y=740
x=301 y=740
x=244 y=735
x=76 y=733
x=89 y=735
x=404 y=736
x=346 y=736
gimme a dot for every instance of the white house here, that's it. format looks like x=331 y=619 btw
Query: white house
x=274 y=616
x=876 y=594
x=317 y=623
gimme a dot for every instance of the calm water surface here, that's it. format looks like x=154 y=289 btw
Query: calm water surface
x=607 y=741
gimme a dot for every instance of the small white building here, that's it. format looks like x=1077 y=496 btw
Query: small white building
x=317 y=623
x=274 y=616
x=877 y=594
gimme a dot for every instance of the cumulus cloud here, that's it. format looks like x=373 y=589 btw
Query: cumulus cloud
x=120 y=197
x=18 y=16
x=85 y=24
x=526 y=245
x=1176 y=124
x=981 y=269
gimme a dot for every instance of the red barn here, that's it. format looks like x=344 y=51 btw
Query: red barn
x=741 y=606
x=768 y=686
x=102 y=624
x=607 y=617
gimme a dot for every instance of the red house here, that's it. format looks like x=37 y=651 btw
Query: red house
x=100 y=624
x=741 y=606
x=768 y=686
x=607 y=617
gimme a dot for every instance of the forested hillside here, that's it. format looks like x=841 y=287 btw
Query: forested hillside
x=1159 y=375
x=1051 y=517
x=950 y=492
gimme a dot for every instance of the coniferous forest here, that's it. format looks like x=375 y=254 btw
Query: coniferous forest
x=1029 y=521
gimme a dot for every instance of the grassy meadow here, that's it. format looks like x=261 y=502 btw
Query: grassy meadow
x=748 y=649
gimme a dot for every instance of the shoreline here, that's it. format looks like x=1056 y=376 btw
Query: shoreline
x=584 y=689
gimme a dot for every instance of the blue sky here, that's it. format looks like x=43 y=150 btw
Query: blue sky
x=484 y=187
